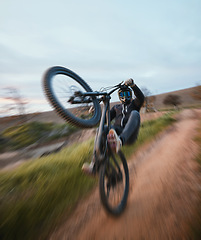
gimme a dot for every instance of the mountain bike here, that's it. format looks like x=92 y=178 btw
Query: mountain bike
x=75 y=102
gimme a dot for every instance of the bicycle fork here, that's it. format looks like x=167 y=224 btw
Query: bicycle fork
x=100 y=145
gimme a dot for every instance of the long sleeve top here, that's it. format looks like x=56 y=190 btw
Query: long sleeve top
x=121 y=112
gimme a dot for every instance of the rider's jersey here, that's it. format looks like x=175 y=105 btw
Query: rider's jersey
x=121 y=112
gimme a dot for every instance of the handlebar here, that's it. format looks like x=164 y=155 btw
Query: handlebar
x=84 y=97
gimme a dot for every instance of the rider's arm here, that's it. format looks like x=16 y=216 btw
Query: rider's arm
x=139 y=100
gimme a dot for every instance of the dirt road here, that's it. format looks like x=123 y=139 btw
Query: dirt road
x=162 y=194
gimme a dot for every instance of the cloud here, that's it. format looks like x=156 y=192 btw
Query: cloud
x=104 y=42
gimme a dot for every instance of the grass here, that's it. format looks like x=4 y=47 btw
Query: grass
x=36 y=196
x=21 y=136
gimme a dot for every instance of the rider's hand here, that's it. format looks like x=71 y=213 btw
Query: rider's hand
x=129 y=82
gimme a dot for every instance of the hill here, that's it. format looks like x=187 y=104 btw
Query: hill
x=51 y=116
x=185 y=95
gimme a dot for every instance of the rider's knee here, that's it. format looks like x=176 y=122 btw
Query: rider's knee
x=135 y=114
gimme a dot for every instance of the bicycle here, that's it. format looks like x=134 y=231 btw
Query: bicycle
x=64 y=90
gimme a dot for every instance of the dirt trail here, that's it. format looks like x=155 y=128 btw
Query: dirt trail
x=162 y=193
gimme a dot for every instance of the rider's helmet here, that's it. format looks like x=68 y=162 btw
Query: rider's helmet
x=125 y=94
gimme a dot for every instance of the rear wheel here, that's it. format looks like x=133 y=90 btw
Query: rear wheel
x=62 y=88
x=114 y=184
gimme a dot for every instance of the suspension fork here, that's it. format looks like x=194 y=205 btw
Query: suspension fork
x=104 y=118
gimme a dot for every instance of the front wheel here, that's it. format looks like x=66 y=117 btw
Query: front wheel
x=62 y=88
x=114 y=184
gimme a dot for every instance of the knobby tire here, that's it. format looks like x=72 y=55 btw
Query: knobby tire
x=57 y=105
x=116 y=210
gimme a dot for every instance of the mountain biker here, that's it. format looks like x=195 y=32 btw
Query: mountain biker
x=127 y=120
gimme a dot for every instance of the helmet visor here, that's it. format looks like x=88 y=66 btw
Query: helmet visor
x=126 y=94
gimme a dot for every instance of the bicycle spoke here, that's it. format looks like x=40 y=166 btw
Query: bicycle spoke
x=64 y=88
x=67 y=92
x=114 y=183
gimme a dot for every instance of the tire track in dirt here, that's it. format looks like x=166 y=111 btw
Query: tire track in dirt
x=162 y=193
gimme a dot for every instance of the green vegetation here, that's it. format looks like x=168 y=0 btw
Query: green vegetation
x=36 y=196
x=196 y=224
x=24 y=135
x=148 y=130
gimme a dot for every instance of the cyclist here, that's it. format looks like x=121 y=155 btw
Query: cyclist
x=127 y=120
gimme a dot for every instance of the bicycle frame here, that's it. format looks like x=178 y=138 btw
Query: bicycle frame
x=105 y=118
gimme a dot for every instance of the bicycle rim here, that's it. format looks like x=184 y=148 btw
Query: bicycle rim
x=113 y=190
x=60 y=84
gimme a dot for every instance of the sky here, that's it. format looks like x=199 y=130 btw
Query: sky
x=155 y=42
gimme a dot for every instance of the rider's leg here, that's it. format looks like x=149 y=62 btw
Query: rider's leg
x=131 y=129
x=119 y=136
x=126 y=136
